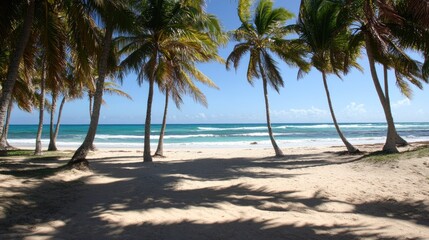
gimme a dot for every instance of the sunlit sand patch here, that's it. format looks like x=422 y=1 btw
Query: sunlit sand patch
x=105 y=180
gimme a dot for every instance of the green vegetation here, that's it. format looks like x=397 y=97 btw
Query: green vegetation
x=36 y=173
x=16 y=163
x=29 y=154
x=383 y=157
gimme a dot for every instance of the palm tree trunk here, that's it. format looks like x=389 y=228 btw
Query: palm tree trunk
x=277 y=150
x=146 y=153
x=38 y=150
x=51 y=146
x=57 y=126
x=390 y=144
x=3 y=140
x=160 y=149
x=90 y=105
x=399 y=140
x=12 y=71
x=349 y=146
x=79 y=158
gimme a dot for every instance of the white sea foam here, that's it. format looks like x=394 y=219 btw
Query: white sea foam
x=230 y=128
x=317 y=126
x=189 y=136
x=230 y=144
x=106 y=136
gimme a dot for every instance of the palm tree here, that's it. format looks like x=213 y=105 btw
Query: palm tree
x=116 y=15
x=45 y=27
x=73 y=88
x=323 y=28
x=23 y=97
x=166 y=27
x=381 y=45
x=179 y=82
x=53 y=131
x=17 y=53
x=110 y=88
x=260 y=37
x=412 y=30
x=49 y=38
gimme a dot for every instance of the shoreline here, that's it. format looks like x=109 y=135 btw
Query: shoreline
x=232 y=146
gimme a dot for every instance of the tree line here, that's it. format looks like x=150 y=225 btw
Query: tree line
x=76 y=48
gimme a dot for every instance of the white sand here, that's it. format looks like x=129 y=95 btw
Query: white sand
x=312 y=193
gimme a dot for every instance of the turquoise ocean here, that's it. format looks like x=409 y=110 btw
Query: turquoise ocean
x=219 y=135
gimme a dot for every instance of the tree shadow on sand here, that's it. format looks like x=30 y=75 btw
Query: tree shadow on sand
x=137 y=187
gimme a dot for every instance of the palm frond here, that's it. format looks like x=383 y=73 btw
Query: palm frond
x=236 y=55
x=271 y=70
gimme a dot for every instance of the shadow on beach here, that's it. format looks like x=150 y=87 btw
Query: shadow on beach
x=82 y=205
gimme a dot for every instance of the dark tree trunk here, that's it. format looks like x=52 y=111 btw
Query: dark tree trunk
x=12 y=71
x=51 y=146
x=4 y=144
x=146 y=153
x=349 y=146
x=277 y=150
x=390 y=144
x=79 y=158
x=38 y=150
x=160 y=149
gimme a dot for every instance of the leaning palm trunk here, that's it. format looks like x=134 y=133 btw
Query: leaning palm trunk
x=12 y=72
x=146 y=153
x=90 y=104
x=390 y=145
x=54 y=133
x=399 y=140
x=79 y=158
x=51 y=146
x=4 y=144
x=160 y=149
x=57 y=126
x=38 y=150
x=277 y=150
x=349 y=146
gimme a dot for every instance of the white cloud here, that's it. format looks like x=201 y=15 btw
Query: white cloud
x=402 y=103
x=354 y=109
x=201 y=116
x=311 y=112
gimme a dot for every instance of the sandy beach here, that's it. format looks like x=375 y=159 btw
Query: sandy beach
x=311 y=193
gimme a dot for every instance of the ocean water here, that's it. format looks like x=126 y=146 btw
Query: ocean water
x=219 y=135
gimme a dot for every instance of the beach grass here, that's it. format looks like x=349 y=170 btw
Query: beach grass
x=23 y=163
x=35 y=173
x=382 y=157
x=30 y=154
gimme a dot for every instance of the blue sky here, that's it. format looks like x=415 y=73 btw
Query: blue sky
x=300 y=101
